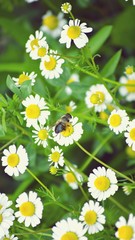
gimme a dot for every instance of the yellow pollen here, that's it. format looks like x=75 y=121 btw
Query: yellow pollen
x=74 y=32
x=94 y=98
x=132 y=134
x=33 y=111
x=101 y=97
x=27 y=209
x=23 y=78
x=41 y=52
x=1 y=218
x=115 y=120
x=68 y=131
x=55 y=156
x=51 y=22
x=70 y=80
x=69 y=236
x=43 y=134
x=34 y=43
x=125 y=232
x=129 y=70
x=50 y=65
x=69 y=109
x=70 y=178
x=102 y=183
x=130 y=89
x=13 y=160
x=90 y=217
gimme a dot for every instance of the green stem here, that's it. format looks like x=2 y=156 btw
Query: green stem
x=104 y=164
x=119 y=205
x=88 y=161
x=44 y=186
x=8 y=143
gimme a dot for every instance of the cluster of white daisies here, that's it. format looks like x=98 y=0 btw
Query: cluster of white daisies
x=30 y=210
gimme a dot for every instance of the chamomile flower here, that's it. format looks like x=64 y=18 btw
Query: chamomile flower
x=4 y=202
x=127 y=189
x=23 y=77
x=126 y=229
x=75 y=32
x=92 y=217
x=15 y=160
x=118 y=121
x=129 y=70
x=40 y=51
x=73 y=132
x=50 y=65
x=41 y=135
x=102 y=183
x=98 y=97
x=9 y=237
x=68 y=229
x=70 y=107
x=66 y=7
x=6 y=221
x=130 y=135
x=52 y=24
x=72 y=177
x=30 y=209
x=130 y=152
x=128 y=91
x=56 y=157
x=35 y=41
x=73 y=78
x=36 y=110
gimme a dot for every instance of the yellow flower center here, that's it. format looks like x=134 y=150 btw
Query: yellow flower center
x=1 y=218
x=70 y=178
x=33 y=111
x=1 y=206
x=132 y=134
x=130 y=89
x=42 y=52
x=43 y=134
x=90 y=217
x=97 y=98
x=129 y=70
x=69 y=236
x=68 y=131
x=70 y=80
x=50 y=65
x=115 y=120
x=103 y=116
x=51 y=22
x=69 y=109
x=102 y=183
x=125 y=232
x=34 y=43
x=53 y=170
x=13 y=160
x=55 y=156
x=23 y=78
x=74 y=32
x=27 y=209
x=5 y=238
x=130 y=152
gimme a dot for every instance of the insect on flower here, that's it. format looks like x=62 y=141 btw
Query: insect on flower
x=62 y=123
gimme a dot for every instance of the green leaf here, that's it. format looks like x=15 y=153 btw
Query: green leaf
x=11 y=85
x=1 y=131
x=3 y=101
x=99 y=38
x=111 y=65
x=26 y=89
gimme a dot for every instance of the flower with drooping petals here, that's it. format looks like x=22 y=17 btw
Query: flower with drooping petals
x=23 y=77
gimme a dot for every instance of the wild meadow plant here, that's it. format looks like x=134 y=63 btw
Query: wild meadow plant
x=67 y=137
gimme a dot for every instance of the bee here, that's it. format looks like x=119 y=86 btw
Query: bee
x=62 y=123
